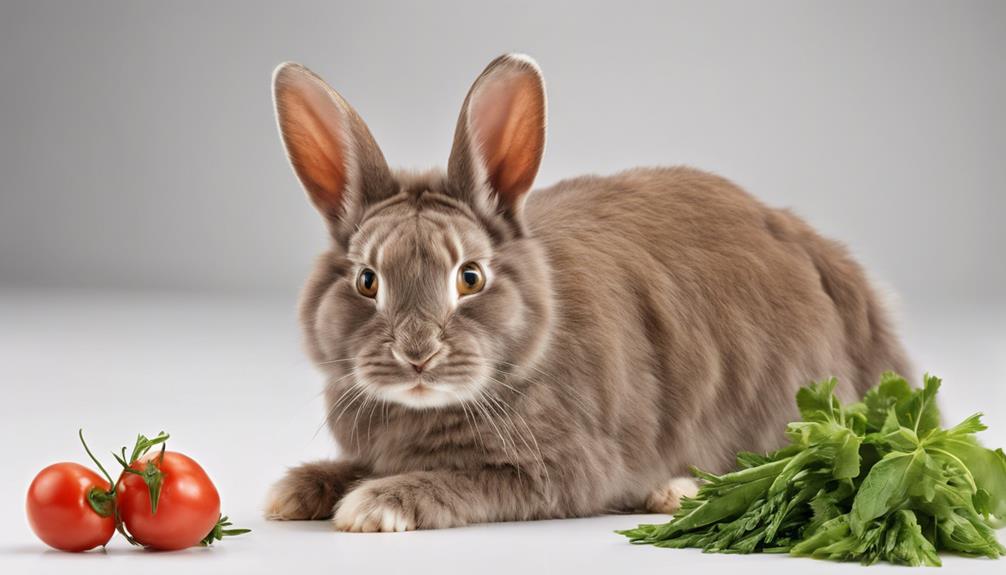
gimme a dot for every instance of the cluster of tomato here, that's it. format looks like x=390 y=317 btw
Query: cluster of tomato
x=161 y=500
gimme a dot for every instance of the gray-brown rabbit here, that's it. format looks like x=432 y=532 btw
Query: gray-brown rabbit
x=494 y=354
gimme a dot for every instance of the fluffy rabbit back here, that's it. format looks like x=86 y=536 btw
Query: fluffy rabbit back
x=695 y=312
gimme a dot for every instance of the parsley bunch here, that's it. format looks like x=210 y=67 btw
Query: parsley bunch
x=875 y=480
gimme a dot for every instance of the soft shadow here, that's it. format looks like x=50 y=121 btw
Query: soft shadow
x=314 y=526
x=41 y=550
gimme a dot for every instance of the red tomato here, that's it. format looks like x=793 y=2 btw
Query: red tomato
x=187 y=510
x=59 y=511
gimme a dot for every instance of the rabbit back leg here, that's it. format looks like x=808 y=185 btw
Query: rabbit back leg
x=667 y=497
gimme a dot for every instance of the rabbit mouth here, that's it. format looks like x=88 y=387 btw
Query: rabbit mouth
x=425 y=393
x=420 y=394
x=419 y=389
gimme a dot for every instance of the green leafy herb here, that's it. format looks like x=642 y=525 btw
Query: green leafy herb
x=876 y=480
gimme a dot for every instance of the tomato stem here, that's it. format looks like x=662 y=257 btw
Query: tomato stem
x=80 y=432
x=103 y=502
x=151 y=473
x=120 y=526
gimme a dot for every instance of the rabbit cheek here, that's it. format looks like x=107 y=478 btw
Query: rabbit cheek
x=333 y=314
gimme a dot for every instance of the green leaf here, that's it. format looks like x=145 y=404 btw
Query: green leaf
x=886 y=487
x=747 y=459
x=891 y=422
x=730 y=504
x=969 y=426
x=988 y=468
x=846 y=465
x=900 y=439
x=769 y=470
x=920 y=412
x=892 y=389
x=907 y=544
x=963 y=531
x=817 y=401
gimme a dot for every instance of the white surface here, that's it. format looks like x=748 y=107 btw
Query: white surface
x=228 y=380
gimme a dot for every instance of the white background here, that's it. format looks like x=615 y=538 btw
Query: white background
x=138 y=147
x=153 y=239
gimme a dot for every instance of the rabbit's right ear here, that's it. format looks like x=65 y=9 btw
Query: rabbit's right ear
x=329 y=146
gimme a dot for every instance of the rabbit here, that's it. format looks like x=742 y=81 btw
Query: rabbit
x=494 y=354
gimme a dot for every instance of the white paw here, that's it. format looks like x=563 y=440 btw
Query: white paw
x=361 y=510
x=667 y=497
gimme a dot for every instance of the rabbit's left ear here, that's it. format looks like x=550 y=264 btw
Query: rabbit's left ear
x=500 y=136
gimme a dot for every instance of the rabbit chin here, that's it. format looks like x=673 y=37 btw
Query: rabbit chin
x=426 y=394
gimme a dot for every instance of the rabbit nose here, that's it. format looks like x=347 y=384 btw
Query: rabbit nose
x=416 y=343
x=419 y=359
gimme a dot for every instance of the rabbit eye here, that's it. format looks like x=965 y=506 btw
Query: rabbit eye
x=471 y=279
x=366 y=283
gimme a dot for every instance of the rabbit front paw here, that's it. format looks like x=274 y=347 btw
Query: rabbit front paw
x=311 y=490
x=397 y=503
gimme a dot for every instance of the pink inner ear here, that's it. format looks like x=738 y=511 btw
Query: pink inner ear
x=507 y=118
x=311 y=125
